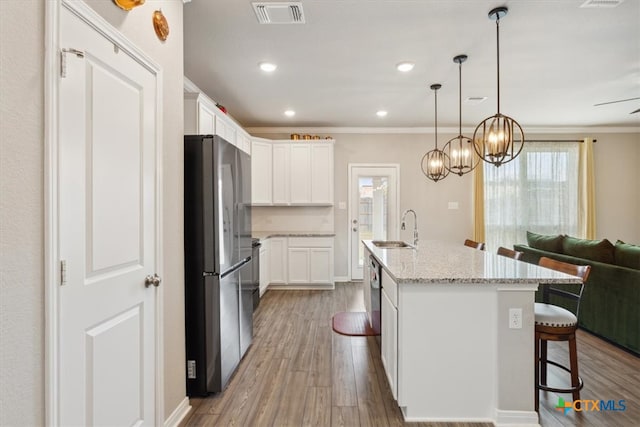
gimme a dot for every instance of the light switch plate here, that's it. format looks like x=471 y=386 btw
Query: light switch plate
x=452 y=205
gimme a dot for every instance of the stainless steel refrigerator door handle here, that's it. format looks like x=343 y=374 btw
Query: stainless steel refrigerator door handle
x=152 y=280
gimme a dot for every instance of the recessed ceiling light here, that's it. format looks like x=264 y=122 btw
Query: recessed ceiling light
x=268 y=67
x=475 y=100
x=405 y=66
x=289 y=113
x=381 y=113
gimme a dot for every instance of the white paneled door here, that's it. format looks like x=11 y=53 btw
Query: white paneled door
x=108 y=239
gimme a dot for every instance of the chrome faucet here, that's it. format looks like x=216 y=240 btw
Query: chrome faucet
x=415 y=225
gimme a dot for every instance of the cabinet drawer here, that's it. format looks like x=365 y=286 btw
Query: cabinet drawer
x=310 y=242
x=390 y=287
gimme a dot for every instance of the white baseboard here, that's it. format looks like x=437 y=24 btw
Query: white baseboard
x=516 y=418
x=178 y=414
x=300 y=286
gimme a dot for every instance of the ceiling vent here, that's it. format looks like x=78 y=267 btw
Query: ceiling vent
x=279 y=12
x=601 y=3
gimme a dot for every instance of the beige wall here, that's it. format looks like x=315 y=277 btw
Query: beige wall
x=617 y=168
x=617 y=192
x=22 y=194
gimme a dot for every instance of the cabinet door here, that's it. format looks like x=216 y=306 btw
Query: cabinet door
x=389 y=344
x=300 y=173
x=206 y=120
x=225 y=128
x=281 y=163
x=278 y=260
x=264 y=267
x=298 y=265
x=261 y=172
x=322 y=173
x=244 y=142
x=320 y=265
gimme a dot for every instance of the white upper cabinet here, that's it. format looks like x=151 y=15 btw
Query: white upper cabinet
x=322 y=173
x=202 y=117
x=261 y=172
x=300 y=169
x=281 y=174
x=302 y=173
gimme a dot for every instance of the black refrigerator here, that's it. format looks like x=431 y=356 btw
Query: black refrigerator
x=217 y=253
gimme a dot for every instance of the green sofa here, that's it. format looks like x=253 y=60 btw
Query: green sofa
x=610 y=305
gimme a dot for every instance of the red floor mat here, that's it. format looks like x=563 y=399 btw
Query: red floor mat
x=353 y=324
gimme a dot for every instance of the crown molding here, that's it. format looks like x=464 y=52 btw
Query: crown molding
x=428 y=130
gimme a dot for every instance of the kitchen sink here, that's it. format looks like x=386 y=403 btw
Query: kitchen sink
x=392 y=244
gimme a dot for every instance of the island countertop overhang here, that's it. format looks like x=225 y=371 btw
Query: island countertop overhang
x=438 y=262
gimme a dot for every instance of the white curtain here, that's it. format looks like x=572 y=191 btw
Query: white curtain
x=537 y=191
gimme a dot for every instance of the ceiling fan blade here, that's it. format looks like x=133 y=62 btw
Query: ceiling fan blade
x=615 y=102
x=635 y=111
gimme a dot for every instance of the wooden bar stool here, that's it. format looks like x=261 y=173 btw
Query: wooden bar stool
x=474 y=245
x=554 y=323
x=510 y=253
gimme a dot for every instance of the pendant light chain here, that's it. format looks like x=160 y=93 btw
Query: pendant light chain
x=498 y=56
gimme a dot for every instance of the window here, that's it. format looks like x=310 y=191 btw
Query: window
x=537 y=191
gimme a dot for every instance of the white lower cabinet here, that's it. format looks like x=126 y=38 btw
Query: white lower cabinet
x=389 y=331
x=299 y=262
x=298 y=265
x=320 y=265
x=310 y=260
x=278 y=260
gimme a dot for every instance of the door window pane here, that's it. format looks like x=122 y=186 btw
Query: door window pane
x=372 y=210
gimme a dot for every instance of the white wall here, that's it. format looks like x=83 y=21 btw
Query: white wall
x=22 y=194
x=617 y=192
x=21 y=213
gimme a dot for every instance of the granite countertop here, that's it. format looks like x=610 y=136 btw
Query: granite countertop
x=445 y=262
x=262 y=235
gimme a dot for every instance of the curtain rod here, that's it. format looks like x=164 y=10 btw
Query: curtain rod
x=556 y=140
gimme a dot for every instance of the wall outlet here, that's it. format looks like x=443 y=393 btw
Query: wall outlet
x=342 y=205
x=452 y=205
x=515 y=318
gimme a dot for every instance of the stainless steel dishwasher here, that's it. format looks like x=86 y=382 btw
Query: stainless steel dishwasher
x=376 y=290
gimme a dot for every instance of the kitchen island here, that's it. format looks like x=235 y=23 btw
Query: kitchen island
x=457 y=339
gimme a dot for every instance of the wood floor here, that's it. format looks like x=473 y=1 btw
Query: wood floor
x=298 y=372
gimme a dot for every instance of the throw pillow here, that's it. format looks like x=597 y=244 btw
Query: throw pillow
x=551 y=243
x=595 y=250
x=627 y=255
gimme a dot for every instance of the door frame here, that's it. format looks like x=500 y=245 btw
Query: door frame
x=350 y=212
x=51 y=193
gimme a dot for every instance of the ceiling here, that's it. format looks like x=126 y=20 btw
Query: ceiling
x=338 y=68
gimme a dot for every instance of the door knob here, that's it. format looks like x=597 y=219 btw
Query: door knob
x=355 y=229
x=152 y=280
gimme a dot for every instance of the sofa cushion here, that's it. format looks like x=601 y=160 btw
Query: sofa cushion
x=627 y=255
x=544 y=242
x=595 y=250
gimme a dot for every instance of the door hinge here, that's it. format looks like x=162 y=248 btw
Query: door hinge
x=63 y=272
x=63 y=59
x=191 y=369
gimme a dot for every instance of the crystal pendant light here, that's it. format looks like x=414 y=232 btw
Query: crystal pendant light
x=433 y=163
x=498 y=139
x=462 y=156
